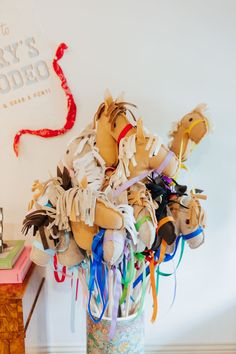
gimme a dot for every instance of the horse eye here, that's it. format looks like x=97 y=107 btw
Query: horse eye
x=67 y=151
x=187 y=221
x=190 y=119
x=115 y=125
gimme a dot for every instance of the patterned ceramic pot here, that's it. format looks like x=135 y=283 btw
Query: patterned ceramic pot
x=128 y=339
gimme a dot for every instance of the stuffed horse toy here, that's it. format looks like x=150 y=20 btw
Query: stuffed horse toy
x=189 y=218
x=189 y=130
x=87 y=171
x=141 y=153
x=81 y=171
x=114 y=241
x=163 y=193
x=144 y=212
x=48 y=237
x=112 y=123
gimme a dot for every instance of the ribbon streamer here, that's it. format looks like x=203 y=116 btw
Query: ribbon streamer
x=132 y=181
x=117 y=294
x=71 y=115
x=96 y=278
x=153 y=287
x=56 y=275
x=129 y=275
x=168 y=257
x=74 y=297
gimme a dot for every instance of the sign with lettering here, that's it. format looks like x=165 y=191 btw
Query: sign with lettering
x=25 y=67
x=12 y=55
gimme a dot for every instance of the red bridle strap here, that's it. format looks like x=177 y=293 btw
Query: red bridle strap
x=124 y=132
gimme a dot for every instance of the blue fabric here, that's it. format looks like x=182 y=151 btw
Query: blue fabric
x=169 y=257
x=193 y=234
x=98 y=274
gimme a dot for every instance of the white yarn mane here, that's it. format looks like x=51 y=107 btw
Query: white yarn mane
x=127 y=151
x=89 y=164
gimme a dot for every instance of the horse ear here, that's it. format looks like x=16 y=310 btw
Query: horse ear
x=120 y=98
x=201 y=108
x=140 y=131
x=108 y=100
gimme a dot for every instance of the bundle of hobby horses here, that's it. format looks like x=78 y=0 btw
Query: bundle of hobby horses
x=115 y=211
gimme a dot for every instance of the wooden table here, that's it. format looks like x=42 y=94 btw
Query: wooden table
x=17 y=304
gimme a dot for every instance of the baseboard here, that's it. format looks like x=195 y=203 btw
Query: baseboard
x=153 y=349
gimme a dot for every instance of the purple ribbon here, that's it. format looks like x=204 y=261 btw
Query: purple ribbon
x=140 y=177
x=117 y=295
x=163 y=165
x=168 y=180
x=119 y=238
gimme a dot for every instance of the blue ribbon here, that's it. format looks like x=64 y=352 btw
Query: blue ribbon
x=193 y=234
x=168 y=257
x=98 y=275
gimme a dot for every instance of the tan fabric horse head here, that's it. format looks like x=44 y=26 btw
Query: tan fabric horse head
x=190 y=129
x=110 y=120
x=144 y=212
x=190 y=217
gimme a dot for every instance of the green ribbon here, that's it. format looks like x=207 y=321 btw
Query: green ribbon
x=129 y=275
x=141 y=221
x=180 y=258
x=144 y=285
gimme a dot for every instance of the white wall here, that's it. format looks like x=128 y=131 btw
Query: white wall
x=167 y=56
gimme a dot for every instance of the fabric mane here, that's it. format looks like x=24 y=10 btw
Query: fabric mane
x=114 y=110
x=127 y=153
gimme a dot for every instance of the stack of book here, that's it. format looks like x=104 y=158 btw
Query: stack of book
x=14 y=262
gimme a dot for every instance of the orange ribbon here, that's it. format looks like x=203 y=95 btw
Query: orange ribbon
x=152 y=265
x=153 y=287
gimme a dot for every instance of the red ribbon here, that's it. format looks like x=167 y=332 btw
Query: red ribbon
x=56 y=275
x=70 y=119
x=124 y=132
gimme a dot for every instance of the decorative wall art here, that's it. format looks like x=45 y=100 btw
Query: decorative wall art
x=30 y=80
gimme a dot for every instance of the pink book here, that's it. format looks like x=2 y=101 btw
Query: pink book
x=19 y=271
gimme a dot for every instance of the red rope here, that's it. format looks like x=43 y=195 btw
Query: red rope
x=71 y=115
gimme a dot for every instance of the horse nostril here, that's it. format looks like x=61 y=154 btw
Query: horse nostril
x=190 y=119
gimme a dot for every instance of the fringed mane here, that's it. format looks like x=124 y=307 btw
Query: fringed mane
x=114 y=110
x=127 y=154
